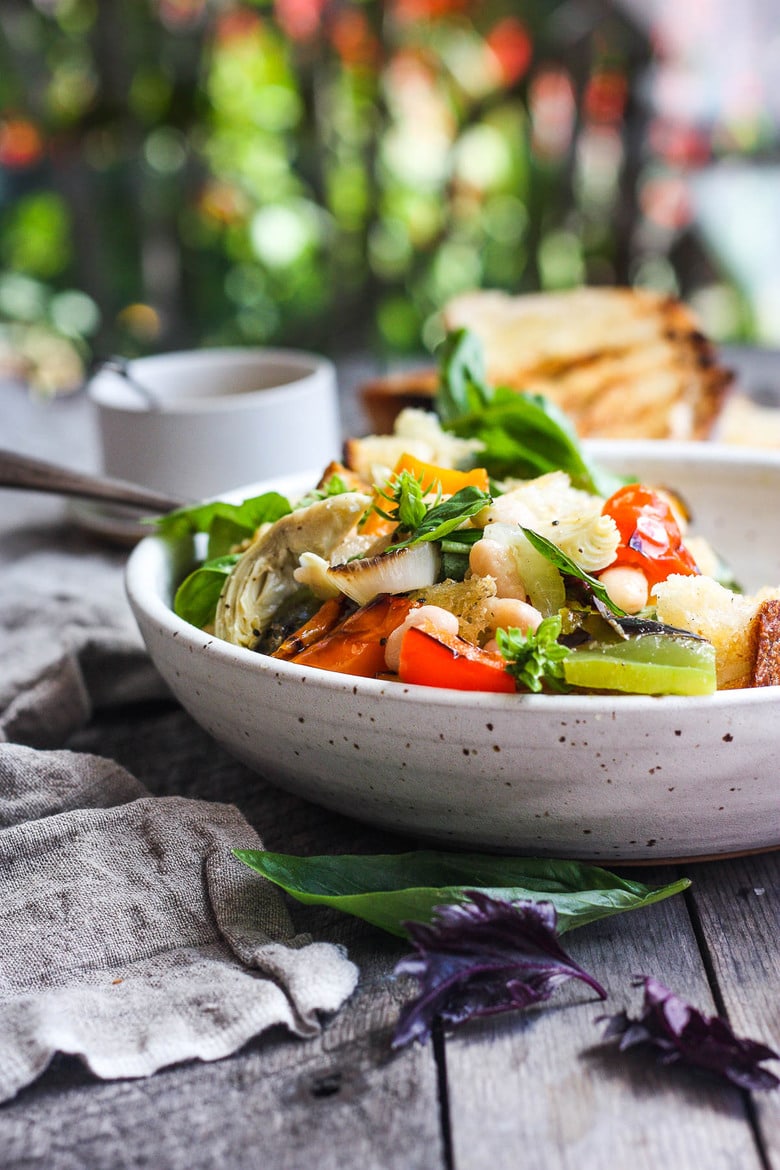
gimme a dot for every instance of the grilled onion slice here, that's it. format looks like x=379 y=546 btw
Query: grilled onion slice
x=395 y=571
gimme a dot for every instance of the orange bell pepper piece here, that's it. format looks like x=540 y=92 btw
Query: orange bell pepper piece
x=357 y=644
x=446 y=478
x=437 y=659
x=319 y=624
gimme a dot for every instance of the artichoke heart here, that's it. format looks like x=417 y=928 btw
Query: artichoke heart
x=587 y=537
x=567 y=516
x=263 y=578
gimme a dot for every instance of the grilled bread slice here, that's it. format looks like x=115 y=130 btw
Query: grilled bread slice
x=622 y=363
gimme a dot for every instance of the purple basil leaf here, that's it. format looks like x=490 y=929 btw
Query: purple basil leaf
x=682 y=1035
x=481 y=957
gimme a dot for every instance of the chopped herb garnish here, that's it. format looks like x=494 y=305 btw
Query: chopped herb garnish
x=419 y=520
x=535 y=658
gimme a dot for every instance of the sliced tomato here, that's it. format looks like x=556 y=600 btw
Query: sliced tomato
x=357 y=644
x=650 y=537
x=436 y=659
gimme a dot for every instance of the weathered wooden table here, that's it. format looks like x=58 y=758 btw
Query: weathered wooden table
x=532 y=1090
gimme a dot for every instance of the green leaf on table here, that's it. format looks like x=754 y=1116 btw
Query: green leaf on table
x=197 y=596
x=388 y=890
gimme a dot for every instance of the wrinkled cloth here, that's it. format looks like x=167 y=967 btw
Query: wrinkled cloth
x=131 y=935
x=68 y=644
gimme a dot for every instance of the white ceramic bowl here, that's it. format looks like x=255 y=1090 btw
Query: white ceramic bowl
x=222 y=418
x=605 y=778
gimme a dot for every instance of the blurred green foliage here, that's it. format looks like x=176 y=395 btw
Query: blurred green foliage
x=311 y=172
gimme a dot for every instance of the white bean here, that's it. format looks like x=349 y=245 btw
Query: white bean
x=423 y=615
x=508 y=613
x=627 y=587
x=488 y=558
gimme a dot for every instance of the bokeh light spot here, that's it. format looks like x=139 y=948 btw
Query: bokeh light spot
x=560 y=259
x=141 y=321
x=165 y=150
x=280 y=234
x=74 y=313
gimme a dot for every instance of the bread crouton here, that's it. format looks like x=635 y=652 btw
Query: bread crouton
x=468 y=600
x=736 y=624
x=704 y=607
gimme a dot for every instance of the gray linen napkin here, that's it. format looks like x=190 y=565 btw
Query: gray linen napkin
x=129 y=934
x=68 y=643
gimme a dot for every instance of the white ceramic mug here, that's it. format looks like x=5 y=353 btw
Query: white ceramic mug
x=216 y=419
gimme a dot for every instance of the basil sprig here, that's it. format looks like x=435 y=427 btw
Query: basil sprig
x=523 y=435
x=419 y=521
x=536 y=657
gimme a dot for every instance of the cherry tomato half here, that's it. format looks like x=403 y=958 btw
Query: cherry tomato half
x=650 y=537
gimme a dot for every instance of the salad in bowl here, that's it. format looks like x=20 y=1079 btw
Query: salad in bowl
x=480 y=549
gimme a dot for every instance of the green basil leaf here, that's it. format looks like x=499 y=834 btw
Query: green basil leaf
x=388 y=890
x=461 y=540
x=523 y=435
x=224 y=534
x=443 y=518
x=566 y=565
x=197 y=596
x=246 y=516
x=462 y=384
x=527 y=435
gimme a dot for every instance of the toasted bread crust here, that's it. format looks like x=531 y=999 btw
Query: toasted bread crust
x=766 y=634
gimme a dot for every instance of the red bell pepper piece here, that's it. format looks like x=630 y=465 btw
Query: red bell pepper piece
x=433 y=658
